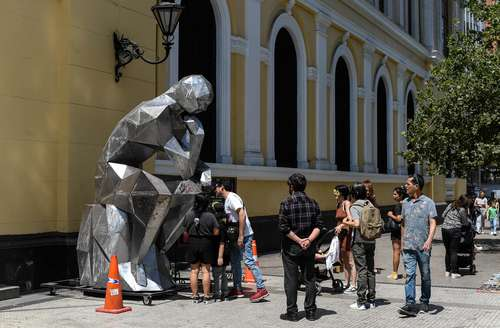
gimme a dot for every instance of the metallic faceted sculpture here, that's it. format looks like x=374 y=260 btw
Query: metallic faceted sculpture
x=136 y=213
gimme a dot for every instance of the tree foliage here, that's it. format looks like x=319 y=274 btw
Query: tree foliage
x=456 y=128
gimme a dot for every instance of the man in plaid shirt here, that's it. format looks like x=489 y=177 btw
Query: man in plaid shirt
x=300 y=224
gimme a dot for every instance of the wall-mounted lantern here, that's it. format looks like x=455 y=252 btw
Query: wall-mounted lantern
x=167 y=14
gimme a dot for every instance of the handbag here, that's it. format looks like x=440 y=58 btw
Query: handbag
x=232 y=232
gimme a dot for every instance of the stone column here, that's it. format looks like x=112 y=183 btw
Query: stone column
x=402 y=168
x=399 y=13
x=321 y=151
x=416 y=19
x=439 y=30
x=173 y=61
x=427 y=21
x=458 y=14
x=253 y=155
x=369 y=137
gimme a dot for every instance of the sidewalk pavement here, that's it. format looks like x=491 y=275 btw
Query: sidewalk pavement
x=456 y=303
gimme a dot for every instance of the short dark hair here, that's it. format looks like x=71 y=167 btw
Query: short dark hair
x=297 y=181
x=418 y=180
x=224 y=183
x=343 y=190
x=358 y=191
x=460 y=202
x=201 y=202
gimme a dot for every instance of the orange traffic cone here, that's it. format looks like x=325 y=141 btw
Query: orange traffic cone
x=113 y=302
x=248 y=275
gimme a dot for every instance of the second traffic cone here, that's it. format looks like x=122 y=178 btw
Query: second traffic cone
x=248 y=275
x=114 y=300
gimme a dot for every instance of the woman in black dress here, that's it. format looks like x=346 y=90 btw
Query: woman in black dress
x=399 y=194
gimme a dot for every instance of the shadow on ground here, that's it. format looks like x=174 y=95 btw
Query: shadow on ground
x=319 y=313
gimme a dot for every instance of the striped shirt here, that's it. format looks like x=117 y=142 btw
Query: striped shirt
x=454 y=218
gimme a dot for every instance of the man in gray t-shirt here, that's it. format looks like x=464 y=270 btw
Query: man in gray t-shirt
x=363 y=251
x=418 y=227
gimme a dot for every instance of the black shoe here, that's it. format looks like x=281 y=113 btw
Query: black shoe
x=408 y=310
x=311 y=315
x=289 y=316
x=206 y=299
x=424 y=307
x=222 y=297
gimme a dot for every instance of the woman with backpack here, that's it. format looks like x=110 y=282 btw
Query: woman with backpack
x=455 y=219
x=344 y=233
x=398 y=194
x=201 y=226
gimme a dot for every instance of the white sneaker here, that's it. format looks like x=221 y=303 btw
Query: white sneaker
x=350 y=290
x=447 y=274
x=355 y=306
x=455 y=275
x=371 y=305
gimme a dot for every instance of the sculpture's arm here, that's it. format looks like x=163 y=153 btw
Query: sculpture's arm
x=186 y=152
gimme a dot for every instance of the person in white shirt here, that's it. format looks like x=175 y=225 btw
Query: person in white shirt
x=241 y=246
x=480 y=204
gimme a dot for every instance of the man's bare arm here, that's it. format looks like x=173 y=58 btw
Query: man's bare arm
x=432 y=230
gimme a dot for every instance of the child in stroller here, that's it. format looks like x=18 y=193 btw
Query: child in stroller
x=323 y=273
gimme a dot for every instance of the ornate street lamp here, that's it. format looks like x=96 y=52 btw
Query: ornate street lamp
x=167 y=14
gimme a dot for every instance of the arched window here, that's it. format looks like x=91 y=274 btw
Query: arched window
x=293 y=60
x=382 y=127
x=342 y=116
x=343 y=110
x=197 y=35
x=381 y=6
x=410 y=114
x=285 y=103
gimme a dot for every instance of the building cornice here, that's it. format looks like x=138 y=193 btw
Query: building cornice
x=239 y=45
x=264 y=55
x=312 y=73
x=366 y=10
x=266 y=173
x=372 y=14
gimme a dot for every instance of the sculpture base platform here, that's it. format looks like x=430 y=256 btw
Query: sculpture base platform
x=147 y=297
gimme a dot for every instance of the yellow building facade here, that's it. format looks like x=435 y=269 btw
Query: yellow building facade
x=59 y=100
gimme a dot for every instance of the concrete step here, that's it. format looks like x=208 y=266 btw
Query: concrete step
x=8 y=292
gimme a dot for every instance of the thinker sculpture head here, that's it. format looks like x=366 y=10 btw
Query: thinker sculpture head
x=192 y=93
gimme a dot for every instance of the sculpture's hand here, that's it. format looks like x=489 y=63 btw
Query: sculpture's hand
x=185 y=152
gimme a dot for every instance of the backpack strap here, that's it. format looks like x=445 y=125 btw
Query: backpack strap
x=359 y=205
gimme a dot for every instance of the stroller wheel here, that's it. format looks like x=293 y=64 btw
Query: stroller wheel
x=337 y=285
x=318 y=288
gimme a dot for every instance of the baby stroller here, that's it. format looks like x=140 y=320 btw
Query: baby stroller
x=321 y=272
x=466 y=253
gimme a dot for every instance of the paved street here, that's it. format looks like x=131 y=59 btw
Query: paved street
x=456 y=303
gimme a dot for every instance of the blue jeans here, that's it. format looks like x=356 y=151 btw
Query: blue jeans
x=493 y=224
x=246 y=253
x=423 y=259
x=479 y=221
